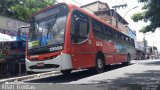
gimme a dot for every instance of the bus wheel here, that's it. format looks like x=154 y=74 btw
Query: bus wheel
x=99 y=65
x=128 y=60
x=66 y=72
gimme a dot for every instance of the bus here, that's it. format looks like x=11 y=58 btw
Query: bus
x=63 y=37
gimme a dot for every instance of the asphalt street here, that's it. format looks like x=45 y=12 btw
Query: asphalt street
x=140 y=75
x=139 y=72
x=147 y=71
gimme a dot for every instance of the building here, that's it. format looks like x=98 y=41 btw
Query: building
x=10 y=26
x=12 y=51
x=141 y=45
x=152 y=52
x=140 y=48
x=103 y=11
x=133 y=35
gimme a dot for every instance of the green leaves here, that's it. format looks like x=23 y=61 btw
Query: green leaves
x=20 y=12
x=23 y=9
x=146 y=29
x=137 y=16
x=151 y=13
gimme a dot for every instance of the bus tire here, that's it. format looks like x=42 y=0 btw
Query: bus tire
x=128 y=60
x=100 y=64
x=66 y=72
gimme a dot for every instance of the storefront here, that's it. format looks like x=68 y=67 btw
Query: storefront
x=11 y=49
x=10 y=26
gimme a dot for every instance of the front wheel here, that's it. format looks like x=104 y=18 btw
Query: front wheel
x=100 y=65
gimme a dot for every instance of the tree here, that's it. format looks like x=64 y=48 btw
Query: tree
x=151 y=13
x=5 y=6
x=22 y=9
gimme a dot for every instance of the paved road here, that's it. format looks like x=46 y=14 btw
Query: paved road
x=147 y=71
x=139 y=72
x=138 y=75
x=74 y=76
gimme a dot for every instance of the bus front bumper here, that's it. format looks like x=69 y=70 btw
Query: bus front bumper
x=61 y=62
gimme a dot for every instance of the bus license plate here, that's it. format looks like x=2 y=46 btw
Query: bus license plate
x=40 y=64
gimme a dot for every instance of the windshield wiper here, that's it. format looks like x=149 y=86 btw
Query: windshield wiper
x=50 y=25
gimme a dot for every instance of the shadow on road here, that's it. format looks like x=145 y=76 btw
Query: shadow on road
x=73 y=76
x=149 y=76
x=152 y=63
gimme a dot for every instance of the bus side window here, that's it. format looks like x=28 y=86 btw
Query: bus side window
x=108 y=34
x=98 y=29
x=79 y=27
x=72 y=29
x=116 y=34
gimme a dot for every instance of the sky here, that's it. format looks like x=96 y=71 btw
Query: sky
x=152 y=38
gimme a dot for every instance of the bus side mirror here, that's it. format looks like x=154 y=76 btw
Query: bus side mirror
x=22 y=33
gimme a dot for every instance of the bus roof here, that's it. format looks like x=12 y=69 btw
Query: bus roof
x=72 y=7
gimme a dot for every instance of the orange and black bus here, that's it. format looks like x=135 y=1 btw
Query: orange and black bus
x=64 y=37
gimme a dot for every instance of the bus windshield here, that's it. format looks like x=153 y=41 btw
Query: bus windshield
x=47 y=29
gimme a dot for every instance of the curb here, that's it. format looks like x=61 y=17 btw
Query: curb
x=30 y=77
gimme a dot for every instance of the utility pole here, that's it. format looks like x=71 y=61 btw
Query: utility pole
x=144 y=41
x=115 y=13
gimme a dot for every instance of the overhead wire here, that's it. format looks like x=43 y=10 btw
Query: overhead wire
x=128 y=9
x=113 y=3
x=132 y=20
x=93 y=11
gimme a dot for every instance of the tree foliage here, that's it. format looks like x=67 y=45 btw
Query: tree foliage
x=22 y=9
x=151 y=13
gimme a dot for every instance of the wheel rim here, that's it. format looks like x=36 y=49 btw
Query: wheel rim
x=100 y=63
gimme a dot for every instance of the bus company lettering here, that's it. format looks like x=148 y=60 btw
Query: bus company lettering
x=89 y=41
x=55 y=48
x=99 y=43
